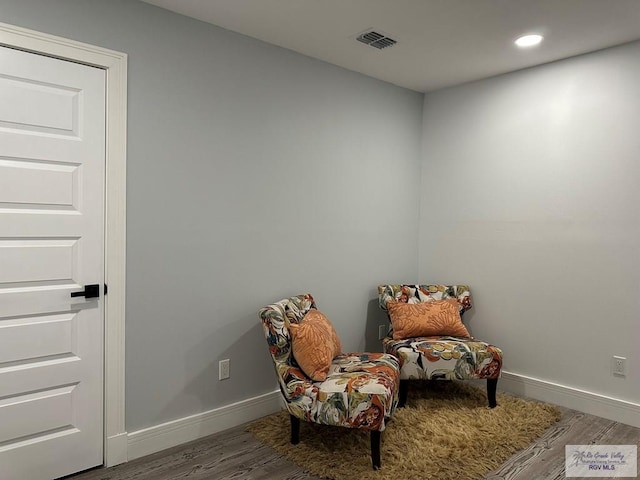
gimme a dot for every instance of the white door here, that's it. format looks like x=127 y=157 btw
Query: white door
x=52 y=161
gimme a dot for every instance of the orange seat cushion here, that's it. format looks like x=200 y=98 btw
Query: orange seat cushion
x=424 y=319
x=315 y=344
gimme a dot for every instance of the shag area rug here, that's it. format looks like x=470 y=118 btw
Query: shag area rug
x=446 y=431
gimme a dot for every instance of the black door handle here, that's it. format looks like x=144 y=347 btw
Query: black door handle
x=90 y=291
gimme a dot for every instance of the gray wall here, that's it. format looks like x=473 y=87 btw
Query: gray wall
x=254 y=173
x=530 y=194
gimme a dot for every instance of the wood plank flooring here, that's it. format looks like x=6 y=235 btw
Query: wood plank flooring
x=545 y=458
x=236 y=455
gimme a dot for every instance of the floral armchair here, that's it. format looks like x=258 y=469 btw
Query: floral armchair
x=440 y=357
x=361 y=389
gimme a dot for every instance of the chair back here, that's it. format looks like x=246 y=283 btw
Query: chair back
x=276 y=319
x=424 y=293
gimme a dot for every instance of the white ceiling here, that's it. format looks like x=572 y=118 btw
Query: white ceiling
x=440 y=42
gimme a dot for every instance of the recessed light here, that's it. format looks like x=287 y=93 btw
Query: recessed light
x=528 y=40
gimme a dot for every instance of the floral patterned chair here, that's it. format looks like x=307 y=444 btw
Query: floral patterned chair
x=361 y=389
x=440 y=357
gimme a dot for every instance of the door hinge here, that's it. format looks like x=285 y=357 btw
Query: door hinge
x=105 y=289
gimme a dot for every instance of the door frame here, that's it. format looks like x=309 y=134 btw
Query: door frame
x=115 y=66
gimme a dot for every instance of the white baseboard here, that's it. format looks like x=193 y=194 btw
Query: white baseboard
x=151 y=440
x=154 y=439
x=116 y=450
x=583 y=401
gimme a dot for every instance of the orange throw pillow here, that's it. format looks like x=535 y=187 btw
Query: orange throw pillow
x=425 y=319
x=315 y=344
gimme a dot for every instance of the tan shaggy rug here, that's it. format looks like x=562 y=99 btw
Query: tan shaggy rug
x=446 y=432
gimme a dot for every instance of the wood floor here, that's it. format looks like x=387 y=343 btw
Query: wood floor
x=236 y=455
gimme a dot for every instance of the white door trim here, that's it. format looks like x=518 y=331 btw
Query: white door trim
x=115 y=66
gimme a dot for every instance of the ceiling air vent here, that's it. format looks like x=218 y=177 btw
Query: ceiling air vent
x=376 y=39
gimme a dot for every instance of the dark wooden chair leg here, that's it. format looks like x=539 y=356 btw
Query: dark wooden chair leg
x=402 y=393
x=492 y=385
x=375 y=449
x=295 y=430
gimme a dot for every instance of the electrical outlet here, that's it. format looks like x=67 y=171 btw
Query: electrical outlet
x=223 y=369
x=382 y=331
x=619 y=366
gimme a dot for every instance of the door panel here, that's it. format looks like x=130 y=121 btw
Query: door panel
x=35 y=106
x=52 y=160
x=36 y=413
x=24 y=182
x=33 y=260
x=36 y=337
